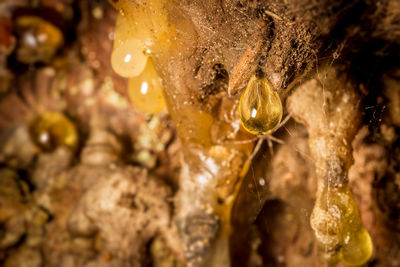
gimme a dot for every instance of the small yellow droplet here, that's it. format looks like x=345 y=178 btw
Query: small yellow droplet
x=357 y=247
x=260 y=107
x=146 y=91
x=38 y=40
x=128 y=58
x=53 y=129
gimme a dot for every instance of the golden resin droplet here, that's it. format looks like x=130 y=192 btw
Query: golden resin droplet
x=357 y=247
x=339 y=224
x=53 y=129
x=38 y=40
x=146 y=91
x=158 y=25
x=260 y=107
x=128 y=57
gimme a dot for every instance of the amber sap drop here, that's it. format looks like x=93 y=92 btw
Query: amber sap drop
x=357 y=247
x=53 y=129
x=260 y=107
x=146 y=91
x=39 y=40
x=128 y=57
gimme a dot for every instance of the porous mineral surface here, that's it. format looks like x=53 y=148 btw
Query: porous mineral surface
x=130 y=188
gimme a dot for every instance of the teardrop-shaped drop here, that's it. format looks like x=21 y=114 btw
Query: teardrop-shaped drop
x=128 y=57
x=146 y=91
x=357 y=247
x=53 y=129
x=260 y=107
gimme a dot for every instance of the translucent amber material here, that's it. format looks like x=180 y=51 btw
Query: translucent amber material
x=38 y=40
x=260 y=107
x=53 y=129
x=341 y=225
x=128 y=58
x=146 y=91
x=356 y=247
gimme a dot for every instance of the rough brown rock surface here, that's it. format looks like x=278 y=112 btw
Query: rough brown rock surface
x=111 y=202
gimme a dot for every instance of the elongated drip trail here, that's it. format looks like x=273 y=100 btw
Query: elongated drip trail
x=212 y=164
x=329 y=109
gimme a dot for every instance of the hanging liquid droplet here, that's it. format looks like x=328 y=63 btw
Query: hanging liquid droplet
x=146 y=91
x=260 y=107
x=337 y=221
x=128 y=57
x=357 y=247
x=53 y=129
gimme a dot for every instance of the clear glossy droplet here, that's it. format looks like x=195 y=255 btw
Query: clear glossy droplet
x=260 y=107
x=146 y=91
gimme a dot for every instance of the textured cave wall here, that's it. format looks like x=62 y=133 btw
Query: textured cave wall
x=54 y=210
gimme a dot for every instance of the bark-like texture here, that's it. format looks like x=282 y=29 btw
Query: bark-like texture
x=133 y=193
